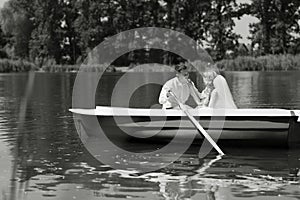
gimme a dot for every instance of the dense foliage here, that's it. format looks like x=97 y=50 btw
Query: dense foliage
x=278 y=28
x=65 y=31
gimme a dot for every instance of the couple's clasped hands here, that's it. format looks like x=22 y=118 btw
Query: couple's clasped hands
x=174 y=102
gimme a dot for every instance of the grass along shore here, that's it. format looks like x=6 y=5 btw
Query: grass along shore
x=7 y=66
x=262 y=63
x=243 y=63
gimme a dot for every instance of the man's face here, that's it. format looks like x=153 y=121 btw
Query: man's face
x=184 y=73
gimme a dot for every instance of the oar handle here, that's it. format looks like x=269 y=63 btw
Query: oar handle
x=178 y=101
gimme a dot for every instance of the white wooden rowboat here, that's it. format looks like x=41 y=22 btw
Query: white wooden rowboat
x=273 y=126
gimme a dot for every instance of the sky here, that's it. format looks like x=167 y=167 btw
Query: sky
x=2 y=2
x=242 y=25
x=240 y=28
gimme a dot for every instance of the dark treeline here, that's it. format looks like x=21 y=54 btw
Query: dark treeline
x=65 y=31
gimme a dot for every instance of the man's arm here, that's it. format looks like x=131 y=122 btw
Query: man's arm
x=197 y=96
x=165 y=97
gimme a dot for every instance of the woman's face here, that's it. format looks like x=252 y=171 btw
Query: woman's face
x=208 y=78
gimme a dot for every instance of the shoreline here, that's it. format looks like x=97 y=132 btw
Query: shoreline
x=122 y=72
x=272 y=63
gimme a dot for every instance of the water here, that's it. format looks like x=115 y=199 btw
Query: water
x=44 y=159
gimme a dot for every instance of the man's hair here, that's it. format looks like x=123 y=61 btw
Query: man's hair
x=179 y=67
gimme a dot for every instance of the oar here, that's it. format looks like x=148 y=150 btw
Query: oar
x=197 y=125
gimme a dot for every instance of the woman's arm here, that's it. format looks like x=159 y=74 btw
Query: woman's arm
x=213 y=99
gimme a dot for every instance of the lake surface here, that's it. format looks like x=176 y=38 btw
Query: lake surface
x=43 y=158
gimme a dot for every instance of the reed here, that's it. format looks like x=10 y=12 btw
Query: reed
x=59 y=68
x=263 y=63
x=242 y=63
x=7 y=66
x=76 y=68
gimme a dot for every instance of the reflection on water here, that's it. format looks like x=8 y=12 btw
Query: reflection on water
x=265 y=89
x=44 y=159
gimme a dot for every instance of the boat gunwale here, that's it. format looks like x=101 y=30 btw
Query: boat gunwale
x=205 y=112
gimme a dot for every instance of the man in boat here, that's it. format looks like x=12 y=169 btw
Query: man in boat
x=181 y=86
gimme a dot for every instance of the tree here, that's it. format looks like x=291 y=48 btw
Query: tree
x=16 y=22
x=96 y=20
x=70 y=38
x=278 y=25
x=220 y=36
x=65 y=30
x=3 y=43
x=47 y=35
x=3 y=39
x=261 y=32
x=286 y=25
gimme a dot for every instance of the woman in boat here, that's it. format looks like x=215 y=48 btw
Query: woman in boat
x=221 y=96
x=181 y=86
x=208 y=78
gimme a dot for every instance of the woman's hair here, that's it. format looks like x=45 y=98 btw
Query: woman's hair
x=210 y=73
x=209 y=76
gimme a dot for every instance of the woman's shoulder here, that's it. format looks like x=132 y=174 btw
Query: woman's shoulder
x=220 y=77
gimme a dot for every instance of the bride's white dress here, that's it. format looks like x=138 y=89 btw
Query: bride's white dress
x=221 y=96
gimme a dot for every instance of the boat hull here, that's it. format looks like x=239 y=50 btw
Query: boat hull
x=234 y=129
